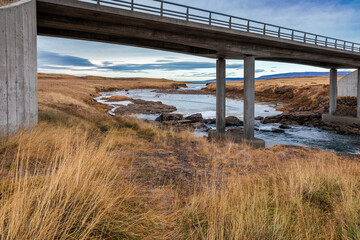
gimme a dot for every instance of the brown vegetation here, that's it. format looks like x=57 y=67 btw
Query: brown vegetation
x=62 y=90
x=6 y=2
x=304 y=93
x=118 y=98
x=82 y=174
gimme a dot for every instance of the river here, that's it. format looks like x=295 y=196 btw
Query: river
x=188 y=104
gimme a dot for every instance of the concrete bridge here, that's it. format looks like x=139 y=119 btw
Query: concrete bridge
x=157 y=25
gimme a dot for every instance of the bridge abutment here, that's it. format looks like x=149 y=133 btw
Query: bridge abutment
x=18 y=66
x=358 y=94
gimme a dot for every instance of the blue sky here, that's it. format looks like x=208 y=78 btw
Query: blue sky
x=337 y=18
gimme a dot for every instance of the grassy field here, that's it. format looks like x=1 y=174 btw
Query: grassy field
x=82 y=174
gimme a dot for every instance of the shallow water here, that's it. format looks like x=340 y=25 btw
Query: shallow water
x=188 y=104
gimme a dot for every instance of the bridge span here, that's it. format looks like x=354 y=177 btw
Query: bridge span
x=167 y=26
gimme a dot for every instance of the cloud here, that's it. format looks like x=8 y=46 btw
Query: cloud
x=164 y=61
x=166 y=66
x=47 y=59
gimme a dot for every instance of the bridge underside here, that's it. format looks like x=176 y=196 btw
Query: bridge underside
x=79 y=20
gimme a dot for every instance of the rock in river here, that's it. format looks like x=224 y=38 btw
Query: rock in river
x=165 y=117
x=233 y=121
x=195 y=118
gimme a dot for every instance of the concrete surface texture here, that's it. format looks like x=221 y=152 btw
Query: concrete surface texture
x=220 y=95
x=249 y=96
x=333 y=92
x=340 y=119
x=348 y=85
x=18 y=67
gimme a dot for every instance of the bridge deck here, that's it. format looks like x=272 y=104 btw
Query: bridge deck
x=88 y=21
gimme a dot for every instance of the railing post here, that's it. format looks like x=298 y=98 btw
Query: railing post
x=352 y=47
x=335 y=43
x=344 y=45
x=248 y=26
x=162 y=9
x=230 y=22
x=304 y=37
x=316 y=40
x=279 y=32
x=292 y=35
x=187 y=14
x=264 y=29
x=210 y=18
x=132 y=5
x=98 y=2
x=326 y=42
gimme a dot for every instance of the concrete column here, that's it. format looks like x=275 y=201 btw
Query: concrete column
x=249 y=96
x=358 y=93
x=18 y=66
x=220 y=94
x=333 y=91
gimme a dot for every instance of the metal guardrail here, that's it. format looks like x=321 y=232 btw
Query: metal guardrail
x=179 y=11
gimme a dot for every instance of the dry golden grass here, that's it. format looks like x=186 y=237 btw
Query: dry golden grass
x=6 y=2
x=295 y=92
x=81 y=174
x=118 y=98
x=82 y=87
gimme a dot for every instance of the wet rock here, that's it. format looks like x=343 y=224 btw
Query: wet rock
x=259 y=118
x=195 y=118
x=165 y=117
x=198 y=125
x=282 y=126
x=210 y=121
x=274 y=130
x=294 y=118
x=233 y=121
x=277 y=130
x=188 y=122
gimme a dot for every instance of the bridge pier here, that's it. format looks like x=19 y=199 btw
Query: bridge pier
x=220 y=95
x=332 y=117
x=333 y=92
x=249 y=96
x=249 y=104
x=18 y=67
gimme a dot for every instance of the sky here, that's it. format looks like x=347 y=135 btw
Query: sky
x=333 y=18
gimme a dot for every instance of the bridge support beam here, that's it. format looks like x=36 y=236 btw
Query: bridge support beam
x=220 y=95
x=249 y=97
x=18 y=71
x=358 y=94
x=333 y=91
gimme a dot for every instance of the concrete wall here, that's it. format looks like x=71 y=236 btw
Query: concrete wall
x=347 y=86
x=18 y=66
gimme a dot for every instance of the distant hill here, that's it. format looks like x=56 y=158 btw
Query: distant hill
x=281 y=75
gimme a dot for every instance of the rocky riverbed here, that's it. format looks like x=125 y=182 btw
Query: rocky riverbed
x=139 y=106
x=311 y=119
x=197 y=112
